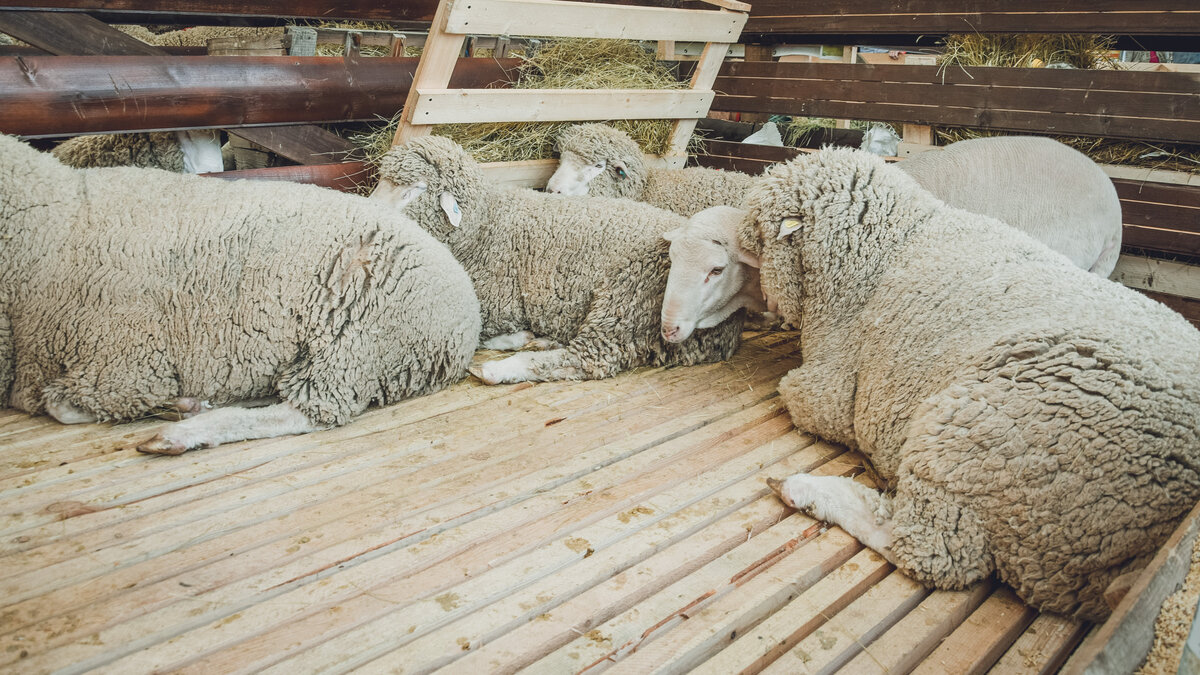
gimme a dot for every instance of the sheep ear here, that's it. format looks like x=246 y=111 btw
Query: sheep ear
x=747 y=258
x=450 y=206
x=672 y=235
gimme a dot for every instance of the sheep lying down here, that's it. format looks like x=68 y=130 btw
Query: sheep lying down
x=126 y=290
x=579 y=280
x=1077 y=214
x=1034 y=420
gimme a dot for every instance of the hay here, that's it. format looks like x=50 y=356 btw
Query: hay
x=559 y=64
x=1165 y=156
x=1034 y=50
x=1173 y=624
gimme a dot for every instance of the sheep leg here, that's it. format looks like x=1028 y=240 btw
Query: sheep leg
x=7 y=359
x=226 y=425
x=509 y=341
x=68 y=413
x=863 y=513
x=555 y=364
x=820 y=399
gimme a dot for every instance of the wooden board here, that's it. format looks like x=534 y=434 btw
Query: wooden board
x=457 y=106
x=551 y=18
x=480 y=529
x=409 y=10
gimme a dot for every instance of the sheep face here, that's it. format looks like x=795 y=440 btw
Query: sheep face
x=710 y=277
x=437 y=184
x=598 y=160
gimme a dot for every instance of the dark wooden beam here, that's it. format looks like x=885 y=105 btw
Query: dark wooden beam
x=344 y=176
x=807 y=17
x=59 y=95
x=371 y=10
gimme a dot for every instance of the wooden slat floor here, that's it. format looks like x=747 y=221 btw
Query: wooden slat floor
x=621 y=525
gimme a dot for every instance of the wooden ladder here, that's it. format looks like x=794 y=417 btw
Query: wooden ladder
x=431 y=102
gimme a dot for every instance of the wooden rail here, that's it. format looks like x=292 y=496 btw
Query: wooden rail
x=1136 y=105
x=55 y=96
x=405 y=10
x=801 y=17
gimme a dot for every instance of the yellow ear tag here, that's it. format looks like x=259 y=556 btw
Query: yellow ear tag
x=788 y=226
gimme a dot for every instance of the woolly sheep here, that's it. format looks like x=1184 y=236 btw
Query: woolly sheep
x=580 y=278
x=1033 y=420
x=1077 y=214
x=193 y=151
x=601 y=161
x=122 y=290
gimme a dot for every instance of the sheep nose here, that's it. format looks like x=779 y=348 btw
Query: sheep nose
x=669 y=332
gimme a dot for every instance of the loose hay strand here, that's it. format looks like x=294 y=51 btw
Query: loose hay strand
x=576 y=63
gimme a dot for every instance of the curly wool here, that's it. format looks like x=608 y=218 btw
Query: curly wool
x=683 y=191
x=155 y=150
x=198 y=36
x=585 y=272
x=1074 y=211
x=1036 y=420
x=124 y=289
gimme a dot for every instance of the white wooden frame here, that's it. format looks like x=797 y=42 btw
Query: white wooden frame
x=430 y=101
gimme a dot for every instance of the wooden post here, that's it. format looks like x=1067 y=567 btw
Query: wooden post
x=758 y=52
x=849 y=55
x=433 y=72
x=666 y=50
x=702 y=80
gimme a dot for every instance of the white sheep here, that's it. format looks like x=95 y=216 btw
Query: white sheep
x=598 y=160
x=1032 y=420
x=123 y=290
x=584 y=277
x=1077 y=214
x=190 y=151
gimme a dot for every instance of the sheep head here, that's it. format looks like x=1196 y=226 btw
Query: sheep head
x=437 y=184
x=598 y=160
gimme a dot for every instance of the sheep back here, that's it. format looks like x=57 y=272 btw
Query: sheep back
x=155 y=150
x=1048 y=190
x=690 y=191
x=155 y=285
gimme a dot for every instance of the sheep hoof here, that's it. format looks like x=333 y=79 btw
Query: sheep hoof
x=190 y=407
x=777 y=487
x=542 y=345
x=160 y=445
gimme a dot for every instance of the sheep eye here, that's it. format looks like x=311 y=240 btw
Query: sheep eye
x=621 y=173
x=716 y=271
x=599 y=165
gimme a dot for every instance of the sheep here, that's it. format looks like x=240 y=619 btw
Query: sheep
x=193 y=151
x=198 y=36
x=579 y=278
x=1078 y=214
x=125 y=289
x=1033 y=420
x=1073 y=210
x=598 y=160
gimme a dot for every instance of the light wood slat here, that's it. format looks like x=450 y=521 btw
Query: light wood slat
x=729 y=4
x=832 y=645
x=662 y=611
x=459 y=106
x=912 y=638
x=438 y=58
x=1162 y=276
x=982 y=639
x=702 y=80
x=1042 y=648
x=360 y=525
x=292 y=591
x=506 y=593
x=551 y=18
x=685 y=645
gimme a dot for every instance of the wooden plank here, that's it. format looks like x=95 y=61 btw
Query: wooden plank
x=551 y=18
x=1157 y=192
x=74 y=95
x=1162 y=276
x=905 y=644
x=1165 y=216
x=800 y=17
x=409 y=10
x=1161 y=240
x=807 y=637
x=344 y=176
x=702 y=80
x=1122 y=642
x=975 y=646
x=438 y=59
x=1043 y=647
x=456 y=106
x=67 y=33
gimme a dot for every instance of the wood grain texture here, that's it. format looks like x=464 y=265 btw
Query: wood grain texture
x=409 y=10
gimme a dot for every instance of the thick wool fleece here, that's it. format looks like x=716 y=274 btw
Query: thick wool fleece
x=198 y=36
x=124 y=289
x=155 y=150
x=1035 y=420
x=683 y=191
x=585 y=272
x=1048 y=190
